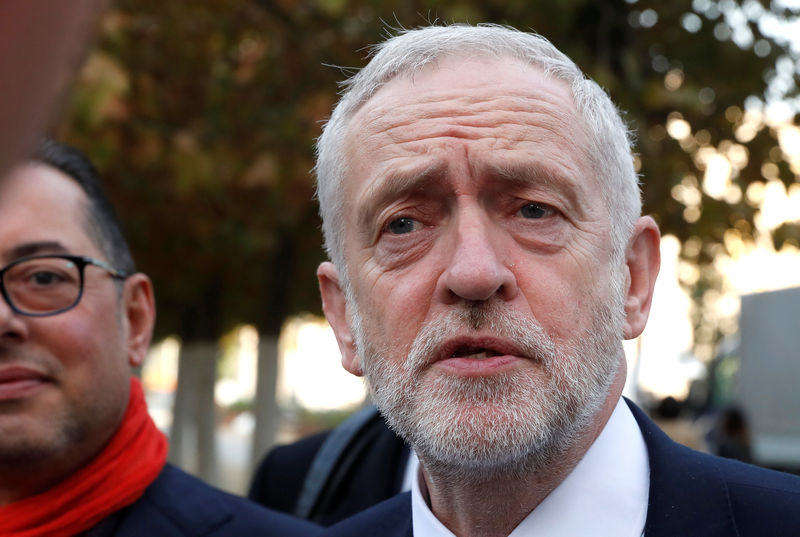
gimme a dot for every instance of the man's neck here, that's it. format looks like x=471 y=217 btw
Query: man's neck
x=493 y=506
x=489 y=507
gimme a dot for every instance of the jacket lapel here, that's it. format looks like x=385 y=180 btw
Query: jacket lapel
x=688 y=496
x=391 y=518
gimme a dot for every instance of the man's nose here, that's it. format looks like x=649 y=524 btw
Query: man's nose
x=478 y=268
x=11 y=324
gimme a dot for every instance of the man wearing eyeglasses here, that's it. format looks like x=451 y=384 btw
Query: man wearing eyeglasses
x=79 y=454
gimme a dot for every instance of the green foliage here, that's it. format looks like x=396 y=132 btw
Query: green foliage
x=201 y=117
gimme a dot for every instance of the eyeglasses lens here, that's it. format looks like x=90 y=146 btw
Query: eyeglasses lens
x=43 y=285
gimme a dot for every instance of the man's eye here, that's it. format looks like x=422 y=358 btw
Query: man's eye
x=401 y=226
x=45 y=278
x=535 y=210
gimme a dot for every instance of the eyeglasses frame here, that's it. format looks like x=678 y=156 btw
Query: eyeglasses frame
x=80 y=261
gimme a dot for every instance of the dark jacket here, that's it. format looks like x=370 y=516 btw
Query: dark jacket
x=179 y=505
x=691 y=495
x=366 y=467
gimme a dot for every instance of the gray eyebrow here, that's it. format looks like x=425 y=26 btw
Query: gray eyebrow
x=398 y=185
x=394 y=186
x=538 y=173
x=530 y=173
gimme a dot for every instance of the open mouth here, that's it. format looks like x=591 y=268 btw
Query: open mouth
x=474 y=353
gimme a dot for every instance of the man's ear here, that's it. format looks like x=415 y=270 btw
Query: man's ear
x=643 y=259
x=139 y=310
x=334 y=304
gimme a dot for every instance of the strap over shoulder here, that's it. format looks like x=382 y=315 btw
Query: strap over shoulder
x=328 y=458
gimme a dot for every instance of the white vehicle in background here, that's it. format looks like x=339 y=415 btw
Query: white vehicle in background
x=767 y=388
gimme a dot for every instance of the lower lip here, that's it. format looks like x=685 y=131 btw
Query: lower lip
x=479 y=366
x=18 y=389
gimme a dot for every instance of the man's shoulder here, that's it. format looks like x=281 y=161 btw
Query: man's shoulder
x=390 y=518
x=756 y=493
x=665 y=456
x=693 y=493
x=748 y=482
x=755 y=501
x=179 y=504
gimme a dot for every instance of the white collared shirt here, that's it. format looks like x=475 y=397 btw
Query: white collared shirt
x=605 y=495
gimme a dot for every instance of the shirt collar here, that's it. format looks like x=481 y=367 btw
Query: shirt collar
x=605 y=495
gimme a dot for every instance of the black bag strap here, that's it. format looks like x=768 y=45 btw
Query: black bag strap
x=327 y=458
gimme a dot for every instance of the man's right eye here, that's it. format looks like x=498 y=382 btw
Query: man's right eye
x=403 y=225
x=45 y=278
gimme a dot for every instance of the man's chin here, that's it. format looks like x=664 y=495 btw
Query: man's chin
x=486 y=446
x=31 y=446
x=481 y=434
x=38 y=433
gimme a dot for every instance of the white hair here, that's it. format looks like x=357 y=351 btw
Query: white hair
x=610 y=150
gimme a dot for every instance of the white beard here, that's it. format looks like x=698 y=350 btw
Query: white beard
x=516 y=422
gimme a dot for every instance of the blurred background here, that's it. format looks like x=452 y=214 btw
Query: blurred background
x=201 y=117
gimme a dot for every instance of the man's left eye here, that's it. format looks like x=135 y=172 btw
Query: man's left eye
x=535 y=211
x=401 y=226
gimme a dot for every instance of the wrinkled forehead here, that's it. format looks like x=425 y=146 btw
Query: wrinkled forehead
x=454 y=75
x=492 y=98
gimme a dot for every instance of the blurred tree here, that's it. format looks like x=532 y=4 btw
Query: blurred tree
x=201 y=117
x=193 y=114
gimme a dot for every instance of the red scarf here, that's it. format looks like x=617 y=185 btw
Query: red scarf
x=117 y=477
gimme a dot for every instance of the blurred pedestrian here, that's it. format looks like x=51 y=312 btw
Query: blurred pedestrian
x=732 y=439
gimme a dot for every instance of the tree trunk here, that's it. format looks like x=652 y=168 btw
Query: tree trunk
x=183 y=432
x=207 y=354
x=193 y=433
x=275 y=310
x=265 y=407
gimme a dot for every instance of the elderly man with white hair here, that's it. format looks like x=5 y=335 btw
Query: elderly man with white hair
x=488 y=256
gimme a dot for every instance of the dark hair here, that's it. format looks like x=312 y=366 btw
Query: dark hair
x=103 y=224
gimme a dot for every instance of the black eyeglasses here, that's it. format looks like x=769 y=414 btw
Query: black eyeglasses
x=44 y=285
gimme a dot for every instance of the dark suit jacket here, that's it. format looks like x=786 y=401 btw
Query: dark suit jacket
x=179 y=505
x=691 y=495
x=369 y=471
